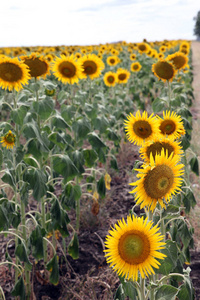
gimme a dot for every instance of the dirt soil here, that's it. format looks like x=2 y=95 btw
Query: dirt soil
x=89 y=277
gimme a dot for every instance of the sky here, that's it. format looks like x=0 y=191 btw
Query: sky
x=94 y=22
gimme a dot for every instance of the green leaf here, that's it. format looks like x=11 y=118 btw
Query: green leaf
x=58 y=140
x=8 y=177
x=3 y=217
x=166 y=292
x=194 y=164
x=72 y=194
x=19 y=289
x=95 y=141
x=113 y=163
x=44 y=107
x=59 y=218
x=63 y=165
x=120 y=294
x=68 y=112
x=101 y=187
x=18 y=114
x=78 y=160
x=1 y=157
x=36 y=241
x=81 y=128
x=90 y=156
x=73 y=247
x=112 y=136
x=169 y=262
x=101 y=123
x=31 y=130
x=53 y=267
x=189 y=200
x=37 y=180
x=158 y=105
x=186 y=290
x=59 y=122
x=21 y=252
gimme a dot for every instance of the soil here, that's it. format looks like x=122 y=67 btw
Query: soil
x=89 y=276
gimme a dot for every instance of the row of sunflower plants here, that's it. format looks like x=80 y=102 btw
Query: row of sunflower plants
x=150 y=252
x=60 y=135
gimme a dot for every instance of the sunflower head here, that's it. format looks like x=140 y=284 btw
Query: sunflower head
x=141 y=128
x=8 y=140
x=132 y=56
x=164 y=70
x=178 y=59
x=122 y=75
x=13 y=73
x=37 y=64
x=143 y=47
x=159 y=180
x=92 y=66
x=110 y=78
x=112 y=60
x=133 y=247
x=171 y=125
x=136 y=67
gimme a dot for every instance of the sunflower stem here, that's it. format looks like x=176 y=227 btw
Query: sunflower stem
x=169 y=94
x=142 y=288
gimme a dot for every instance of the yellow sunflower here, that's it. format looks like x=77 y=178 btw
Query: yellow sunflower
x=143 y=47
x=136 y=67
x=164 y=70
x=110 y=78
x=159 y=180
x=155 y=147
x=134 y=246
x=133 y=56
x=141 y=128
x=161 y=55
x=67 y=69
x=92 y=66
x=122 y=75
x=112 y=60
x=13 y=73
x=37 y=64
x=171 y=125
x=178 y=59
x=8 y=140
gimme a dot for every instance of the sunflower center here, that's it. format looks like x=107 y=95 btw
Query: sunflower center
x=37 y=67
x=134 y=247
x=122 y=76
x=10 y=72
x=167 y=126
x=135 y=67
x=67 y=69
x=158 y=181
x=10 y=138
x=164 y=70
x=112 y=61
x=90 y=67
x=179 y=61
x=111 y=79
x=142 y=129
x=157 y=147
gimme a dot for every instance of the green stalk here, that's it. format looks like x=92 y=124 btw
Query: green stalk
x=77 y=210
x=169 y=94
x=142 y=288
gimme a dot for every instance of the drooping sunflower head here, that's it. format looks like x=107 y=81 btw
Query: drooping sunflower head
x=171 y=125
x=178 y=59
x=155 y=147
x=110 y=78
x=136 y=66
x=164 y=70
x=112 y=60
x=8 y=140
x=133 y=247
x=122 y=75
x=37 y=64
x=92 y=66
x=141 y=128
x=159 y=180
x=13 y=73
x=67 y=69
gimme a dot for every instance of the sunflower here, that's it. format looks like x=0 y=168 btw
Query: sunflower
x=171 y=125
x=67 y=69
x=178 y=59
x=134 y=246
x=77 y=55
x=92 y=66
x=13 y=73
x=38 y=65
x=159 y=180
x=164 y=70
x=110 y=78
x=161 y=55
x=136 y=66
x=112 y=60
x=122 y=75
x=156 y=146
x=8 y=140
x=132 y=56
x=143 y=47
x=141 y=128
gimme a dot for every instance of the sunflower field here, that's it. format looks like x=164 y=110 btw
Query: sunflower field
x=67 y=112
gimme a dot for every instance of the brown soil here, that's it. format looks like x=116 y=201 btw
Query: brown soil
x=89 y=277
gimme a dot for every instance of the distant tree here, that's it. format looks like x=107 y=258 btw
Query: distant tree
x=197 y=25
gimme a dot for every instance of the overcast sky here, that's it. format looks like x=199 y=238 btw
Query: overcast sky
x=85 y=22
